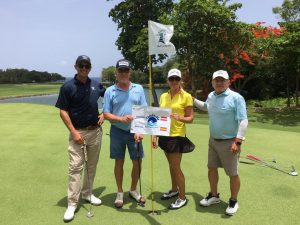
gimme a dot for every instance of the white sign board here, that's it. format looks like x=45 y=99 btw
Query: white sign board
x=151 y=120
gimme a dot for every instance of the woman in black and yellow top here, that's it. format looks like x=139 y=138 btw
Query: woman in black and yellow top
x=181 y=104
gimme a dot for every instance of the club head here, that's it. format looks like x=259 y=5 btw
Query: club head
x=142 y=204
x=89 y=214
x=294 y=173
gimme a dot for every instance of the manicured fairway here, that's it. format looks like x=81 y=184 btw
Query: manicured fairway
x=14 y=90
x=34 y=162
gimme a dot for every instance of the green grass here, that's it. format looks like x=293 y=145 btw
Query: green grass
x=34 y=166
x=15 y=90
x=270 y=103
x=283 y=120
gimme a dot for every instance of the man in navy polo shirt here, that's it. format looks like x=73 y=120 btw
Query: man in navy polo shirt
x=118 y=102
x=78 y=106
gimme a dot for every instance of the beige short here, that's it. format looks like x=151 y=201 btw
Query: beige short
x=219 y=155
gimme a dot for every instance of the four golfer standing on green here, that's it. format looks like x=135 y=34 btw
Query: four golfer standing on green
x=79 y=111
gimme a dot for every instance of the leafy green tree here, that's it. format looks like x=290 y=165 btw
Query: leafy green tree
x=286 y=58
x=251 y=56
x=15 y=76
x=108 y=74
x=140 y=77
x=289 y=11
x=289 y=47
x=132 y=18
x=199 y=35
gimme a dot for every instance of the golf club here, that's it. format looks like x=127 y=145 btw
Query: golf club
x=291 y=171
x=89 y=214
x=139 y=168
x=251 y=163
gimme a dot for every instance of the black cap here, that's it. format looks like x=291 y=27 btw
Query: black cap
x=83 y=58
x=123 y=63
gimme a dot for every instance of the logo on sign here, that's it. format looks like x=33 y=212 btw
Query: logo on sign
x=152 y=120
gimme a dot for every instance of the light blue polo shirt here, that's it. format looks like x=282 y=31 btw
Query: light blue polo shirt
x=225 y=111
x=120 y=102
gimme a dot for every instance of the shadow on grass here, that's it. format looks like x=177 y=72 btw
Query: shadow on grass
x=64 y=201
x=133 y=207
x=280 y=118
x=214 y=209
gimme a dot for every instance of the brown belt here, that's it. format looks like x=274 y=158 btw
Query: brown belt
x=88 y=128
x=223 y=139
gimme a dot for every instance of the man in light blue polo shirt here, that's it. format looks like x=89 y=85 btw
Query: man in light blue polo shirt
x=118 y=102
x=227 y=124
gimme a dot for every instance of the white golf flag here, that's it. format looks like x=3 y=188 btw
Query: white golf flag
x=159 y=36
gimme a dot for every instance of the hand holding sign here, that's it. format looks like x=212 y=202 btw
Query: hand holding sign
x=151 y=120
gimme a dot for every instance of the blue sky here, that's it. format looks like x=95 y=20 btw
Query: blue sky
x=48 y=35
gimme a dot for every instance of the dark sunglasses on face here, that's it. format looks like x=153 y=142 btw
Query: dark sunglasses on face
x=174 y=78
x=122 y=70
x=87 y=66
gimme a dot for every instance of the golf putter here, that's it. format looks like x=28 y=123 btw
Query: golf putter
x=89 y=214
x=139 y=167
x=291 y=172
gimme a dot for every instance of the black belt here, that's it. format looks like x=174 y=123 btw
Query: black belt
x=88 y=128
x=216 y=139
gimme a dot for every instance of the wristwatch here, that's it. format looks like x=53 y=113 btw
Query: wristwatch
x=238 y=143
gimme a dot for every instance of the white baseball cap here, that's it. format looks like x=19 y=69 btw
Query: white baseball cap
x=221 y=73
x=174 y=72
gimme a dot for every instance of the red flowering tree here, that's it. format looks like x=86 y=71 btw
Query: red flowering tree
x=250 y=52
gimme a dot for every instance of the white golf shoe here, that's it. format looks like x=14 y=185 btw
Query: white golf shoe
x=169 y=195
x=232 y=207
x=209 y=200
x=178 y=204
x=69 y=214
x=119 y=200
x=92 y=199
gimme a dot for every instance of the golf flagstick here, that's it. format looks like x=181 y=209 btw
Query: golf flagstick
x=153 y=211
x=89 y=214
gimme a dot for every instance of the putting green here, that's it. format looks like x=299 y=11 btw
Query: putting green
x=34 y=166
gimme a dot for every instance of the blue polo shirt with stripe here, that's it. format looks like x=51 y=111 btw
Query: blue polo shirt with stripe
x=225 y=110
x=119 y=102
x=80 y=101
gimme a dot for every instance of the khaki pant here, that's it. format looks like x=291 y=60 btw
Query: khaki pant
x=219 y=155
x=93 y=140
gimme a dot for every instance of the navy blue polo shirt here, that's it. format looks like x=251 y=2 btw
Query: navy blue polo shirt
x=80 y=101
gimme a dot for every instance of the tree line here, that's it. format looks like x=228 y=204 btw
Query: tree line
x=263 y=61
x=16 y=76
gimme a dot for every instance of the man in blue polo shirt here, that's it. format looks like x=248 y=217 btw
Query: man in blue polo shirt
x=118 y=102
x=78 y=106
x=227 y=124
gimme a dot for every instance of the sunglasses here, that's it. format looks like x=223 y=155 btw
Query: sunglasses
x=174 y=78
x=87 y=66
x=121 y=70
